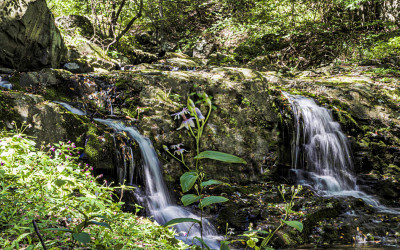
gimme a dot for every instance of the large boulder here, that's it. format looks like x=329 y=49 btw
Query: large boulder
x=29 y=39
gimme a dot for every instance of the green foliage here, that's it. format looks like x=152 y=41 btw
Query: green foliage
x=390 y=48
x=188 y=179
x=252 y=237
x=181 y=220
x=211 y=200
x=65 y=199
x=219 y=156
x=195 y=176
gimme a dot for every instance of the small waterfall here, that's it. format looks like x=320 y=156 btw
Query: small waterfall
x=323 y=153
x=156 y=198
x=71 y=109
x=110 y=105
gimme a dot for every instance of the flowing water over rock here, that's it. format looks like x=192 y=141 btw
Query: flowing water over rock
x=71 y=109
x=321 y=154
x=156 y=198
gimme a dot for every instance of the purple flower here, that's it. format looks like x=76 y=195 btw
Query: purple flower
x=181 y=113
x=2 y=163
x=180 y=151
x=186 y=123
x=100 y=176
x=69 y=142
x=59 y=153
x=91 y=168
x=52 y=149
x=199 y=114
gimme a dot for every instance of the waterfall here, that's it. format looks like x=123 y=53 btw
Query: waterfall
x=323 y=152
x=156 y=197
x=71 y=109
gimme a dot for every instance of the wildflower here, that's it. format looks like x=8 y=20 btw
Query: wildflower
x=181 y=113
x=165 y=148
x=30 y=126
x=69 y=142
x=177 y=146
x=100 y=176
x=186 y=123
x=180 y=151
x=91 y=168
x=199 y=114
x=2 y=163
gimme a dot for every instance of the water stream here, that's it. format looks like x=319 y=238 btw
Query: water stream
x=321 y=154
x=156 y=197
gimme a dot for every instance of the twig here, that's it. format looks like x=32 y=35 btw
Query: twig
x=38 y=234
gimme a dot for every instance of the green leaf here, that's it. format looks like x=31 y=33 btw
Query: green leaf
x=180 y=220
x=60 y=182
x=224 y=245
x=103 y=224
x=202 y=242
x=295 y=224
x=219 y=156
x=188 y=179
x=211 y=200
x=82 y=237
x=210 y=182
x=189 y=199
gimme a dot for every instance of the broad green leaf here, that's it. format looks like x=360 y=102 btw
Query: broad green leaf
x=180 y=220
x=202 y=242
x=103 y=224
x=60 y=182
x=82 y=237
x=224 y=245
x=188 y=179
x=295 y=224
x=219 y=156
x=210 y=182
x=189 y=199
x=211 y=200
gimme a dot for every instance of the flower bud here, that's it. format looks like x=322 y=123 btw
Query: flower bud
x=165 y=148
x=190 y=103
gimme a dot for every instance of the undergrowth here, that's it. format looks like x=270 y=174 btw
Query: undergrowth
x=49 y=188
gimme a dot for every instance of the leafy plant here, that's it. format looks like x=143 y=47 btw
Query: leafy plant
x=66 y=200
x=194 y=178
x=253 y=236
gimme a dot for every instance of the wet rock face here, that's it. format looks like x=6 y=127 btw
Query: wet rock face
x=29 y=38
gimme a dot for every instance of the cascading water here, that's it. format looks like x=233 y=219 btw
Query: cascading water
x=71 y=109
x=157 y=198
x=320 y=145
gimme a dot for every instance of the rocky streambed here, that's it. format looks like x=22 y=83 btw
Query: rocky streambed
x=252 y=119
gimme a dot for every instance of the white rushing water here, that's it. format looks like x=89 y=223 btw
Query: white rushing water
x=321 y=154
x=157 y=198
x=71 y=109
